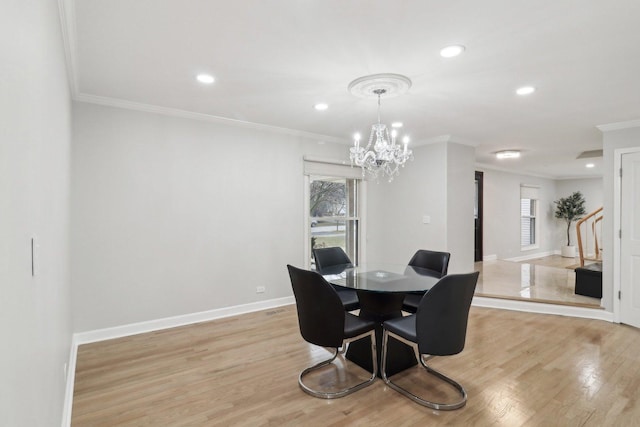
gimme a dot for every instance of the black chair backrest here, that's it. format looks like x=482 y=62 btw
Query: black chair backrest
x=330 y=257
x=431 y=260
x=321 y=315
x=441 y=320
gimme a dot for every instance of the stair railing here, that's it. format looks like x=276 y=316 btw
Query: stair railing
x=588 y=240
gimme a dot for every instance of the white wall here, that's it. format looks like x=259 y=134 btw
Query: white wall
x=35 y=138
x=502 y=211
x=591 y=189
x=612 y=140
x=501 y=228
x=438 y=184
x=174 y=216
x=460 y=204
x=395 y=209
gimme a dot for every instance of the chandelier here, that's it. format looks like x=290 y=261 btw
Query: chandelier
x=382 y=155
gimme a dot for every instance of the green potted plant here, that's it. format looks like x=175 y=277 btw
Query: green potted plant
x=570 y=209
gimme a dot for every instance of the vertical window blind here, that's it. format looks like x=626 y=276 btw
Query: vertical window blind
x=529 y=196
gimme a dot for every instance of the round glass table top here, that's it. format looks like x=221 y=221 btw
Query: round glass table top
x=382 y=277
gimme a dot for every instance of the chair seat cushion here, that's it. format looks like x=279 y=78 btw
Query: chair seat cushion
x=403 y=326
x=354 y=325
x=349 y=299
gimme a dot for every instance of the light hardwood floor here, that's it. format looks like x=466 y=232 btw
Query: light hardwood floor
x=519 y=369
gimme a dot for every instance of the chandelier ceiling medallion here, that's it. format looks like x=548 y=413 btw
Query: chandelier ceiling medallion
x=381 y=155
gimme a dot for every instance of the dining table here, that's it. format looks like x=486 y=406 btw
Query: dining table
x=381 y=288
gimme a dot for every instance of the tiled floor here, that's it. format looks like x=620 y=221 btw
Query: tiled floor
x=528 y=281
x=555 y=261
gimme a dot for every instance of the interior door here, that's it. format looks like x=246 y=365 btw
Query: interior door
x=477 y=229
x=630 y=240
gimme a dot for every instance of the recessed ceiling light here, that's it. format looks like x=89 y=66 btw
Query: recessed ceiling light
x=525 y=90
x=508 y=154
x=205 y=78
x=321 y=106
x=396 y=125
x=451 y=51
x=590 y=165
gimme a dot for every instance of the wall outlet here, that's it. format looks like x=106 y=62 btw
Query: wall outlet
x=426 y=219
x=260 y=289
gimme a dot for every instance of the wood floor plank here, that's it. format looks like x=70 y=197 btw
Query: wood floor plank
x=518 y=369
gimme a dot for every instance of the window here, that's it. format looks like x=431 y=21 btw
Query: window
x=528 y=214
x=527 y=222
x=333 y=208
x=333 y=214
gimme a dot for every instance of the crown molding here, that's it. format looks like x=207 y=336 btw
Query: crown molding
x=570 y=177
x=484 y=166
x=175 y=112
x=619 y=125
x=67 y=13
x=447 y=138
x=521 y=173
x=463 y=141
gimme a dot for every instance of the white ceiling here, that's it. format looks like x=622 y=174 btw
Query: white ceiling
x=274 y=59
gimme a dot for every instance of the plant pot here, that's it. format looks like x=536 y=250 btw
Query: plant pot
x=568 y=251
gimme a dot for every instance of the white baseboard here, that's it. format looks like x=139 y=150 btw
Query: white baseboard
x=150 y=326
x=172 y=322
x=71 y=378
x=542 y=308
x=490 y=257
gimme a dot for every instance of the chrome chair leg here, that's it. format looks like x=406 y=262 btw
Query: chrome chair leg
x=422 y=359
x=348 y=390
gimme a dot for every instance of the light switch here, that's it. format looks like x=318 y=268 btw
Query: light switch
x=426 y=219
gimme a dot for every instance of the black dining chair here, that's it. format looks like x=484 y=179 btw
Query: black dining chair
x=434 y=263
x=439 y=328
x=332 y=260
x=323 y=322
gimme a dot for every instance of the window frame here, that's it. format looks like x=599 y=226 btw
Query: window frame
x=348 y=217
x=532 y=193
x=532 y=218
x=332 y=168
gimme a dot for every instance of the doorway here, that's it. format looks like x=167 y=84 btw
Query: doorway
x=477 y=214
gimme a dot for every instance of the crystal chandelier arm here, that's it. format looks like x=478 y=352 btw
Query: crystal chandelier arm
x=369 y=157
x=383 y=153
